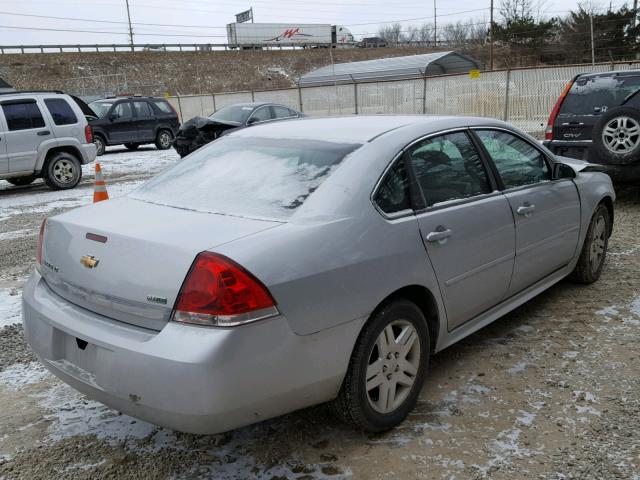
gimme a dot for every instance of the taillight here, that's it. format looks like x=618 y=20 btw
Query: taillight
x=219 y=292
x=40 y=242
x=548 y=133
x=88 y=134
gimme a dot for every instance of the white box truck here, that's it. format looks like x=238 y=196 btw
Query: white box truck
x=241 y=35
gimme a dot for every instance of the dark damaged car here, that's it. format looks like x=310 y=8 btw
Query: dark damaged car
x=199 y=131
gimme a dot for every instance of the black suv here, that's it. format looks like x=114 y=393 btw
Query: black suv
x=133 y=121
x=597 y=118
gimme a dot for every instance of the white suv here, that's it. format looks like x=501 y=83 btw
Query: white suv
x=43 y=134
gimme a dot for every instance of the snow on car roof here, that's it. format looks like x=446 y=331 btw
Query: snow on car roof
x=355 y=128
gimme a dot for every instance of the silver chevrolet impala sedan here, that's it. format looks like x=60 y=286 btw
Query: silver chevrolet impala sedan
x=308 y=261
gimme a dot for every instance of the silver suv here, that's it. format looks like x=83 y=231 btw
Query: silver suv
x=43 y=134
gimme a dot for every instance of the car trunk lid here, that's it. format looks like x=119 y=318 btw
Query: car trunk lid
x=126 y=259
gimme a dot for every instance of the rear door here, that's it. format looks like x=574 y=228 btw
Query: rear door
x=546 y=211
x=122 y=126
x=466 y=225
x=26 y=129
x=145 y=120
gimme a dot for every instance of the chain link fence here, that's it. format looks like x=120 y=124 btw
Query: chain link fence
x=523 y=97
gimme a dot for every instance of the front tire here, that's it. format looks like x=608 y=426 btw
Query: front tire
x=62 y=171
x=594 y=250
x=163 y=140
x=100 y=144
x=387 y=368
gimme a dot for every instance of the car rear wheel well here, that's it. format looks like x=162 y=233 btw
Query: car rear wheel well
x=608 y=202
x=66 y=149
x=425 y=301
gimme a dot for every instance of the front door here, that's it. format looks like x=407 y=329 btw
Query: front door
x=122 y=128
x=466 y=225
x=4 y=159
x=546 y=211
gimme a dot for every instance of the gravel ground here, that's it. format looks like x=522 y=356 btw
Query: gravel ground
x=550 y=391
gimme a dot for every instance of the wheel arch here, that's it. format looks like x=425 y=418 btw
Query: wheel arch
x=426 y=302
x=70 y=149
x=607 y=201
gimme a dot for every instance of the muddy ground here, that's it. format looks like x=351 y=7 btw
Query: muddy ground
x=550 y=391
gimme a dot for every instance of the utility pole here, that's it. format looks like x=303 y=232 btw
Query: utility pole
x=491 y=36
x=593 y=50
x=130 y=29
x=435 y=25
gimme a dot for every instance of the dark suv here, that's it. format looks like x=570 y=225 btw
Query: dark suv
x=133 y=121
x=597 y=118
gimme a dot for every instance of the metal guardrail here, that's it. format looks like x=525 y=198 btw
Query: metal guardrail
x=198 y=47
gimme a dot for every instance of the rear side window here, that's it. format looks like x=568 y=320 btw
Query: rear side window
x=596 y=94
x=123 y=110
x=517 y=162
x=448 y=167
x=163 y=106
x=393 y=193
x=247 y=176
x=23 y=115
x=60 y=111
x=143 y=109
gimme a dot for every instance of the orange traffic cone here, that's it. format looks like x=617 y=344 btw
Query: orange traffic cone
x=100 y=189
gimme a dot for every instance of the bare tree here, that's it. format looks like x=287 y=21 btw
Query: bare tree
x=391 y=33
x=513 y=10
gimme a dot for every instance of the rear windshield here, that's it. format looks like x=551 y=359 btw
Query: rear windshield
x=101 y=108
x=595 y=94
x=247 y=177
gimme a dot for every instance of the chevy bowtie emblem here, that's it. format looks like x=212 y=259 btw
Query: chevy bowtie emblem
x=89 y=261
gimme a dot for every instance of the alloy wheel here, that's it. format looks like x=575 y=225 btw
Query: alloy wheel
x=393 y=364
x=165 y=140
x=64 y=171
x=598 y=243
x=621 y=135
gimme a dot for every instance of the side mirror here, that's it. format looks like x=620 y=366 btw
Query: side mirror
x=252 y=120
x=561 y=170
x=113 y=116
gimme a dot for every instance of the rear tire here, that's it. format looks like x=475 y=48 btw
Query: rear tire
x=21 y=181
x=594 y=250
x=163 y=140
x=616 y=135
x=131 y=146
x=387 y=368
x=101 y=145
x=62 y=171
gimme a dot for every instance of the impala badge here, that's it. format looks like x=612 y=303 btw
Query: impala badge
x=89 y=261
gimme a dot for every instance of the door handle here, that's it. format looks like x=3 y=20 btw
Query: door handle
x=438 y=235
x=42 y=133
x=526 y=209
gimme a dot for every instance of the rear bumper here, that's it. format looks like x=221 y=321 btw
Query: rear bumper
x=189 y=378
x=582 y=151
x=88 y=152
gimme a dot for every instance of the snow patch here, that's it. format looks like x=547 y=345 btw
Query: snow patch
x=608 y=311
x=526 y=418
x=10 y=306
x=21 y=375
x=518 y=367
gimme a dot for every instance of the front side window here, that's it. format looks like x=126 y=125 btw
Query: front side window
x=448 y=167
x=60 y=111
x=393 y=193
x=518 y=162
x=247 y=176
x=123 y=110
x=23 y=115
x=261 y=114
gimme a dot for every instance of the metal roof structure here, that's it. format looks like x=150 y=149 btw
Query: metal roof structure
x=5 y=87
x=393 y=68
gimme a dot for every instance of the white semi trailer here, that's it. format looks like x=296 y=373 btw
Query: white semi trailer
x=243 y=35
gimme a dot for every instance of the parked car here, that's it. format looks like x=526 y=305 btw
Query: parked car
x=597 y=118
x=133 y=121
x=372 y=42
x=199 y=131
x=301 y=262
x=43 y=134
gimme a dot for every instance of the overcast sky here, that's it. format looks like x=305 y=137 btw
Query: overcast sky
x=204 y=21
